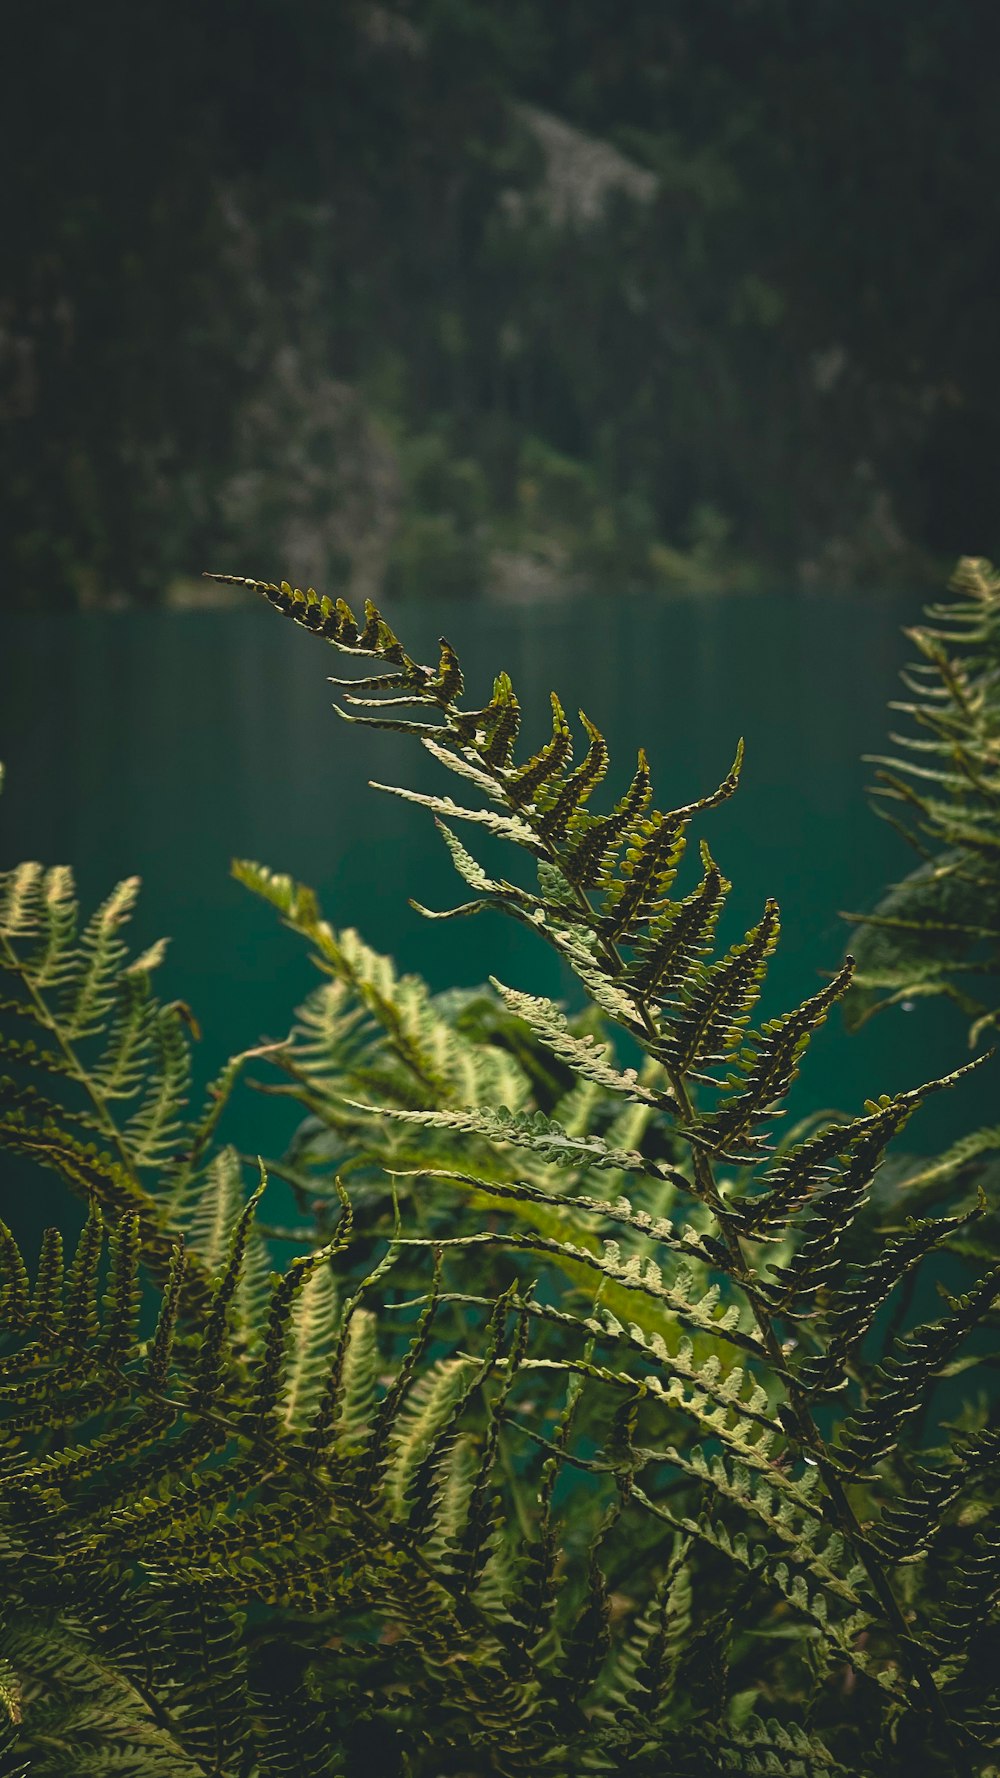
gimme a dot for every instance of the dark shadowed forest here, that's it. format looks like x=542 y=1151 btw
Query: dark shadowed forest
x=445 y=295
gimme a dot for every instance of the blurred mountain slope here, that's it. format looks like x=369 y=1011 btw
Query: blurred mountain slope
x=445 y=295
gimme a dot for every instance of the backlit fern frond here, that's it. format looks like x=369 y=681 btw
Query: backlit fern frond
x=78 y=1009
x=642 y=954
x=112 y=1118
x=369 y=1023
x=603 y=893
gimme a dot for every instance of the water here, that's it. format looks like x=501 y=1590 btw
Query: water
x=166 y=743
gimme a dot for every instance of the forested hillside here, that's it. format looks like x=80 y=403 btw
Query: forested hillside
x=463 y=296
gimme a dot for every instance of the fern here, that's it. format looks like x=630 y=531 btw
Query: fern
x=115 y=1123
x=647 y=964
x=938 y=931
x=568 y=1438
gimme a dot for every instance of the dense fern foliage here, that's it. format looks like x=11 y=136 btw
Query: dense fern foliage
x=936 y=934
x=938 y=931
x=589 y=1427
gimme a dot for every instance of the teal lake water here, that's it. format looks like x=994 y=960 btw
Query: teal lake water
x=165 y=743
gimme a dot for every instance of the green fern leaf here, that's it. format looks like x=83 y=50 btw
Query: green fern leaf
x=161 y=1345
x=524 y=784
x=584 y=1055
x=871 y=1284
x=82 y=1319
x=862 y=1146
x=909 y=1525
x=15 y=1293
x=530 y=1130
x=494 y=730
x=211 y=1358
x=647 y=868
x=154 y=1130
x=507 y=827
x=358 y=1382
x=89 y=995
x=679 y=937
x=714 y=1010
x=312 y=1337
x=597 y=837
x=903 y=1379
x=47 y=1298
x=566 y=803
x=429 y=1409
x=121 y=1300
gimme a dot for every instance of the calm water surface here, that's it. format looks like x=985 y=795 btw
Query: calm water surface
x=166 y=743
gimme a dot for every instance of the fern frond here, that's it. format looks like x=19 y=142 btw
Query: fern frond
x=811 y=1168
x=646 y=871
x=429 y=1407
x=281 y=1382
x=714 y=1011
x=679 y=937
x=646 y=1667
x=47 y=1297
x=771 y=1747
x=154 y=1130
x=359 y=1368
x=15 y=1292
x=588 y=1638
x=89 y=994
x=524 y=783
x=909 y=1525
x=584 y=1055
x=209 y=1220
x=492 y=732
x=871 y=1284
x=161 y=1345
x=482 y=1515
x=505 y=827
x=312 y=1335
x=534 y=1131
x=440 y=1417
x=596 y=840
x=82 y=1318
x=655 y=1230
x=21 y=905
x=771 y=1065
x=943 y=921
x=213 y=1340
x=467 y=1472
x=566 y=802
x=902 y=1381
x=121 y=1300
x=692 y=1306
x=300 y=1737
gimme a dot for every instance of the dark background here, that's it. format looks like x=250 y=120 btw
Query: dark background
x=451 y=295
